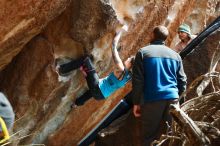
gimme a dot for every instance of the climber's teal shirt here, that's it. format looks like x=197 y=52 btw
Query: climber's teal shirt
x=110 y=84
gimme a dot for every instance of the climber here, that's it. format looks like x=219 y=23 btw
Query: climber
x=101 y=88
x=185 y=37
x=6 y=118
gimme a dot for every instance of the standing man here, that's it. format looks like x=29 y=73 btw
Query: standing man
x=185 y=37
x=158 y=80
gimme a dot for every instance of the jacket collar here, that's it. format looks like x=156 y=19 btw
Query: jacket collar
x=157 y=42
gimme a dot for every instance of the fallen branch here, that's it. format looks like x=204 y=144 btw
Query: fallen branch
x=163 y=139
x=192 y=131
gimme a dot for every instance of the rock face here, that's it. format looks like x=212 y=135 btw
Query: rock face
x=196 y=67
x=34 y=34
x=21 y=21
x=203 y=13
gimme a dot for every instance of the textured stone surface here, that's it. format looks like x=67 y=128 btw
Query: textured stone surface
x=41 y=102
x=22 y=20
x=198 y=62
x=28 y=81
x=203 y=13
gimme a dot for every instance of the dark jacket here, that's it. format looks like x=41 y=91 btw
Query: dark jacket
x=157 y=74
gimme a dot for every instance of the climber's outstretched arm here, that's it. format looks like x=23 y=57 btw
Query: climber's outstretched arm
x=115 y=55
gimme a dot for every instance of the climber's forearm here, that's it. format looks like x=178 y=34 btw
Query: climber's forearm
x=115 y=55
